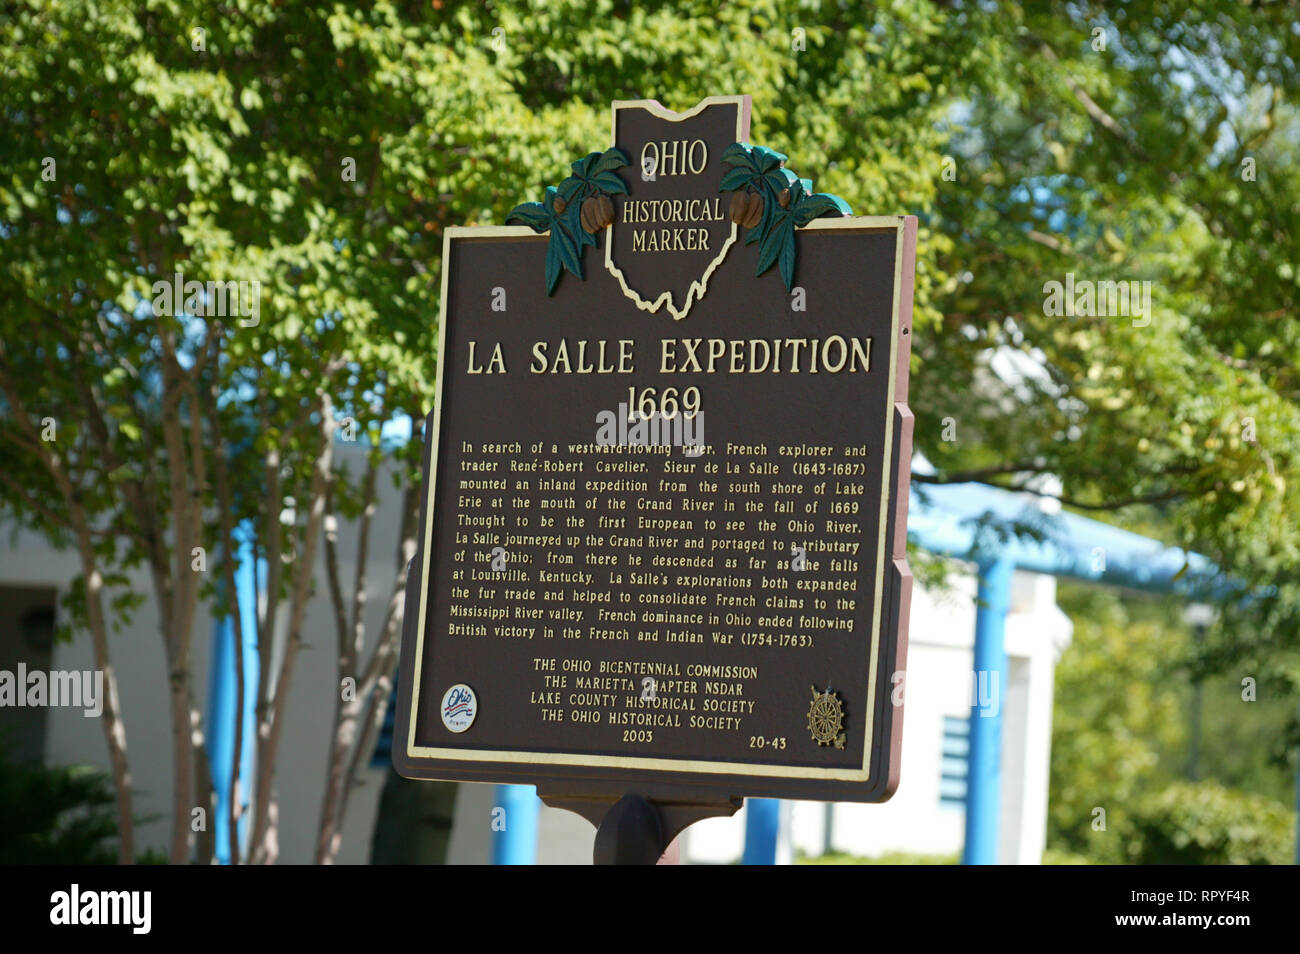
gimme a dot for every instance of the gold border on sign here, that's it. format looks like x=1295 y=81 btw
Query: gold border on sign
x=872 y=223
x=701 y=285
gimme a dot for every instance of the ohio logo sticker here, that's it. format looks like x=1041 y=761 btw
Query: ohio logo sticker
x=459 y=706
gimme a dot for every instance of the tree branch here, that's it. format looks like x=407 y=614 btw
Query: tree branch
x=298 y=608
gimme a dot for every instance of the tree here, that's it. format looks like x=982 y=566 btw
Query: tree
x=316 y=154
x=294 y=154
x=1212 y=825
x=1117 y=709
x=1122 y=790
x=1151 y=142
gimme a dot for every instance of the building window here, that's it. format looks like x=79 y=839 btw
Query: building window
x=27 y=624
x=952 y=771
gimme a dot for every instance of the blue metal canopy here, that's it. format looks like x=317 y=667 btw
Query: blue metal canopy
x=977 y=522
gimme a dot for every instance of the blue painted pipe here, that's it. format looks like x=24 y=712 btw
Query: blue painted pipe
x=221 y=730
x=514 y=825
x=224 y=690
x=984 y=765
x=762 y=822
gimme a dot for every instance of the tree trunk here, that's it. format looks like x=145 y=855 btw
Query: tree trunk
x=375 y=684
x=182 y=771
x=114 y=729
x=272 y=724
x=330 y=835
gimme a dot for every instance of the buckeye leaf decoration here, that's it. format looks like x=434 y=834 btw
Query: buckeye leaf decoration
x=788 y=203
x=777 y=244
x=817 y=205
x=596 y=172
x=560 y=211
x=564 y=248
x=531 y=214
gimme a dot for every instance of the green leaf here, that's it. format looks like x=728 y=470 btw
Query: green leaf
x=548 y=201
x=570 y=188
x=611 y=159
x=777 y=179
x=819 y=204
x=568 y=246
x=767 y=160
x=736 y=178
x=770 y=246
x=610 y=183
x=770 y=208
x=739 y=154
x=531 y=214
x=786 y=263
x=584 y=167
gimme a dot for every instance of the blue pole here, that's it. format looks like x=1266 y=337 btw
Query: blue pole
x=984 y=766
x=762 y=820
x=250 y=580
x=221 y=730
x=224 y=689
x=514 y=825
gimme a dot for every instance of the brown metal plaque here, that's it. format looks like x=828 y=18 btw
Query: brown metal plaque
x=710 y=606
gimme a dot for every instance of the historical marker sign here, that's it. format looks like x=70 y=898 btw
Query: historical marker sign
x=662 y=546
